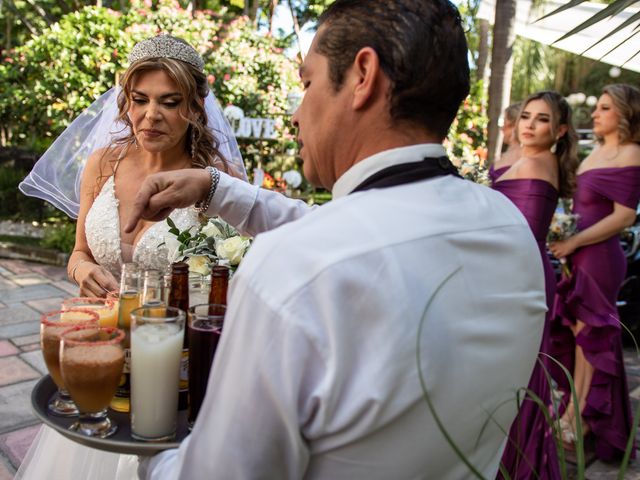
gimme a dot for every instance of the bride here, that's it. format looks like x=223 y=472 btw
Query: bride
x=163 y=118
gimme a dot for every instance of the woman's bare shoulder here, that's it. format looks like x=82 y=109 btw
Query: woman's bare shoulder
x=531 y=167
x=100 y=166
x=629 y=155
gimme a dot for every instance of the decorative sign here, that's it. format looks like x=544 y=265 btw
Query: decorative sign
x=244 y=127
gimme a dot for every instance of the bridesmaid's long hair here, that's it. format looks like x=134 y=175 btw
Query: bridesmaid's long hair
x=566 y=148
x=626 y=100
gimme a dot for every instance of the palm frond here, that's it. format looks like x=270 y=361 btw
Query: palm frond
x=629 y=21
x=566 y=6
x=609 y=11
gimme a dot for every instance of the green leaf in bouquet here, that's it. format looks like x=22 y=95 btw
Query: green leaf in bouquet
x=172 y=226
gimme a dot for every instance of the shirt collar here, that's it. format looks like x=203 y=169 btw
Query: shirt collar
x=370 y=165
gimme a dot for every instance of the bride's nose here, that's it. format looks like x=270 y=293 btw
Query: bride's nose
x=153 y=113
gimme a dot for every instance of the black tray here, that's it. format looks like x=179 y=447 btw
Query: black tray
x=120 y=442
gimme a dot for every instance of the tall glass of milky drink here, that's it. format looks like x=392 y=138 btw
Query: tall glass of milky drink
x=157 y=334
x=204 y=330
x=52 y=324
x=91 y=363
x=106 y=308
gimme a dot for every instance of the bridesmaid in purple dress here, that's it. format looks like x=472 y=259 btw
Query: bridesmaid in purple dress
x=586 y=332
x=544 y=171
x=512 y=151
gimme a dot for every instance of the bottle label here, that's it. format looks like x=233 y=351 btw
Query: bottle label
x=123 y=390
x=184 y=370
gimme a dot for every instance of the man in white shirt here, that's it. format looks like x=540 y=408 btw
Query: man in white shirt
x=378 y=336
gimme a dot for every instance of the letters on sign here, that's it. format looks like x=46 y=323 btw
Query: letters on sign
x=244 y=127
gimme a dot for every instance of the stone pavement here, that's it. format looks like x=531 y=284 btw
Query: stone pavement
x=27 y=289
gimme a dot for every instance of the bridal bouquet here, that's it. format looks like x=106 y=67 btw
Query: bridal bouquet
x=215 y=242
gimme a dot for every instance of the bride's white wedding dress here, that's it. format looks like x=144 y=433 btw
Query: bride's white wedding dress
x=52 y=456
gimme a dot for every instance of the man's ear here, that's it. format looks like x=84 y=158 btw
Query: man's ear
x=365 y=71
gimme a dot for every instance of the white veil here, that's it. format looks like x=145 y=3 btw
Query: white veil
x=56 y=175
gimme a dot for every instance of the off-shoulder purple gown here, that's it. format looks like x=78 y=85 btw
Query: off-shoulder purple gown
x=495 y=174
x=589 y=295
x=531 y=447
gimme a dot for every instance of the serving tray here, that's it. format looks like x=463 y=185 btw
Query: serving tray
x=120 y=442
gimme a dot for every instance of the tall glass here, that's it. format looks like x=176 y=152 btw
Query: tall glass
x=114 y=297
x=52 y=324
x=204 y=330
x=106 y=308
x=128 y=300
x=198 y=289
x=91 y=363
x=153 y=294
x=157 y=334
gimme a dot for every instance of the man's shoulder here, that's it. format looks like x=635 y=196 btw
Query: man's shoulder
x=348 y=230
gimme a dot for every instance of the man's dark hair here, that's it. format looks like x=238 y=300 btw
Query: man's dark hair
x=421 y=47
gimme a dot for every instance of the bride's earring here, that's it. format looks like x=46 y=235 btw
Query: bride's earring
x=554 y=147
x=135 y=142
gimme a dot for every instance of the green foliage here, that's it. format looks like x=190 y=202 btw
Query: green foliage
x=12 y=202
x=47 y=82
x=60 y=236
x=535 y=70
x=466 y=144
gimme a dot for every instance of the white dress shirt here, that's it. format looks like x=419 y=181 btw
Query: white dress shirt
x=335 y=320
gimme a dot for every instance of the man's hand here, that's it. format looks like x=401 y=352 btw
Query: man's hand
x=163 y=192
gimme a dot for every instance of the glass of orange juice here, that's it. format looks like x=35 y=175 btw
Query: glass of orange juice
x=106 y=308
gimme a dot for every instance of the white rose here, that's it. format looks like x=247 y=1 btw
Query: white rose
x=232 y=249
x=172 y=245
x=198 y=264
x=210 y=230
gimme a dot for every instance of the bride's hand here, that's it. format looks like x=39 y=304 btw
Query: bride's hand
x=163 y=192
x=94 y=280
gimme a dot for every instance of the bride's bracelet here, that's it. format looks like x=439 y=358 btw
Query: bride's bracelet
x=202 y=207
x=72 y=273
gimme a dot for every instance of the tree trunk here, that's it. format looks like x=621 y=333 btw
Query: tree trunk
x=7 y=30
x=483 y=51
x=296 y=29
x=504 y=36
x=561 y=68
x=251 y=9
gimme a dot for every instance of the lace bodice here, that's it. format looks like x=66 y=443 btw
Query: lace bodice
x=102 y=229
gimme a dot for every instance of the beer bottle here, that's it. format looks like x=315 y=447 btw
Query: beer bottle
x=219 y=284
x=129 y=300
x=179 y=298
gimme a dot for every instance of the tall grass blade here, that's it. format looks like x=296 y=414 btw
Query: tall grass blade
x=579 y=445
x=636 y=417
x=423 y=384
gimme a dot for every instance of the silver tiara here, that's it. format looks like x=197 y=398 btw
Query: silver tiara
x=166 y=46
